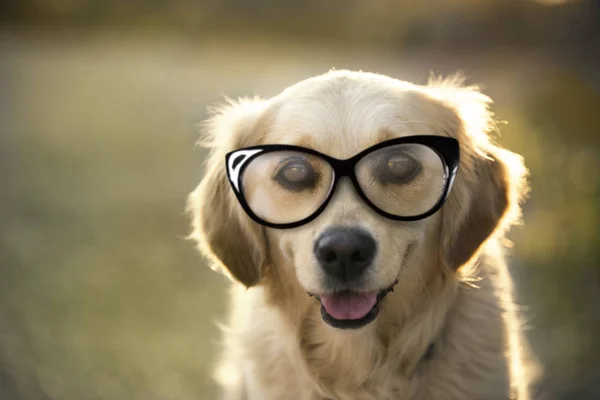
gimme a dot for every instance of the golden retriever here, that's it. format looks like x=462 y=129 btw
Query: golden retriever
x=361 y=218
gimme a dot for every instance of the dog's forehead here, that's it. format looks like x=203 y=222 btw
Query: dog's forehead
x=345 y=117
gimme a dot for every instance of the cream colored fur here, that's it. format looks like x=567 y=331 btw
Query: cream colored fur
x=454 y=289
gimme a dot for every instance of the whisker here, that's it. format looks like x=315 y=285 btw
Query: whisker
x=416 y=122
x=404 y=260
x=425 y=286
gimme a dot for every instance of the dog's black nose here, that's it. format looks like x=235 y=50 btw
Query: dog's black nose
x=345 y=253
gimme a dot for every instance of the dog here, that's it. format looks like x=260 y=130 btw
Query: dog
x=362 y=221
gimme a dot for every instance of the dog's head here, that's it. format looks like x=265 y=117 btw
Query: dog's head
x=350 y=254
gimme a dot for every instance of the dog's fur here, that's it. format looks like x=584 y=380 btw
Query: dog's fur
x=454 y=289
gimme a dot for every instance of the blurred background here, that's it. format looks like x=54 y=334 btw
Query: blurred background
x=100 y=295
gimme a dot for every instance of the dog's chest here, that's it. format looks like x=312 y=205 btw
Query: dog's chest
x=346 y=365
x=317 y=363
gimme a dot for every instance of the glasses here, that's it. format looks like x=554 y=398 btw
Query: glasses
x=403 y=179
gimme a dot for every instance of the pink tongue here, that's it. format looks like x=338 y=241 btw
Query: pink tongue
x=348 y=305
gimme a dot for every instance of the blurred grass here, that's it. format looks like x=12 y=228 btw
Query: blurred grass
x=100 y=295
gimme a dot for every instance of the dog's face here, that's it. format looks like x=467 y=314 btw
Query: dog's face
x=349 y=257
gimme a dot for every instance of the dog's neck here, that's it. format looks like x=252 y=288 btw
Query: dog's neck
x=399 y=340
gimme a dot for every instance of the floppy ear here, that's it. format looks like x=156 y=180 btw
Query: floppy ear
x=491 y=183
x=493 y=207
x=224 y=233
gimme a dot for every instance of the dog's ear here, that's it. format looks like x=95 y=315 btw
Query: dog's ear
x=491 y=182
x=234 y=243
x=492 y=208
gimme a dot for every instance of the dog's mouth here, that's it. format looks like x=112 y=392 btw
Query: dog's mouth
x=350 y=309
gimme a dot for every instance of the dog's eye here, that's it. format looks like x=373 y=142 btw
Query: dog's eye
x=399 y=168
x=296 y=175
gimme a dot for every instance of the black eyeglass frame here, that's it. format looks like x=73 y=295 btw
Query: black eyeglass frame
x=447 y=148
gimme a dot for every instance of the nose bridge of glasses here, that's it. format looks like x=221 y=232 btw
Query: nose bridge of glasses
x=342 y=168
x=345 y=195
